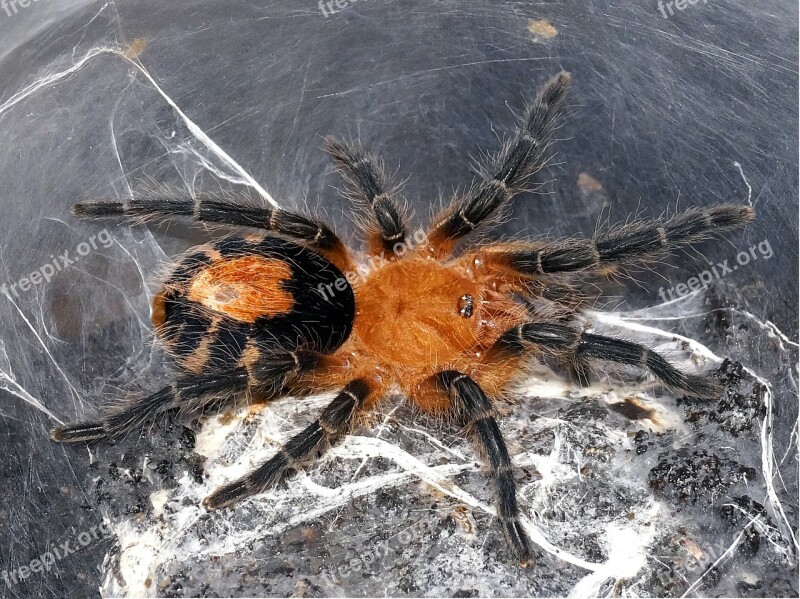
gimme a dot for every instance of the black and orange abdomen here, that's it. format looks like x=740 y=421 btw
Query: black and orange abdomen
x=245 y=288
x=226 y=300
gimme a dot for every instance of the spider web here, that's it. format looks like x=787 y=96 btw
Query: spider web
x=572 y=450
x=627 y=490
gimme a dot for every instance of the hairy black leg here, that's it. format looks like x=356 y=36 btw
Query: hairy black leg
x=215 y=209
x=334 y=421
x=556 y=300
x=567 y=341
x=554 y=296
x=366 y=177
x=637 y=241
x=508 y=171
x=136 y=412
x=188 y=394
x=471 y=404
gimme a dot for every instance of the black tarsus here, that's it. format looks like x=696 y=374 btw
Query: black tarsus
x=77 y=432
x=474 y=407
x=216 y=209
x=334 y=421
x=568 y=341
x=137 y=411
x=510 y=168
x=365 y=175
x=637 y=241
x=189 y=393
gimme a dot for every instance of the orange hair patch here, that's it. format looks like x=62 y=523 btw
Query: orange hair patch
x=159 y=311
x=244 y=288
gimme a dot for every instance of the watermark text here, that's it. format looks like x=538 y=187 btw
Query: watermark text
x=11 y=7
x=57 y=263
x=717 y=271
x=668 y=8
x=46 y=561
x=362 y=272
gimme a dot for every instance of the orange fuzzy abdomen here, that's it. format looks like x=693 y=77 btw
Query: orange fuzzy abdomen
x=244 y=288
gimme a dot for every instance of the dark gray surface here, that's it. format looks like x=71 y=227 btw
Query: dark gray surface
x=661 y=110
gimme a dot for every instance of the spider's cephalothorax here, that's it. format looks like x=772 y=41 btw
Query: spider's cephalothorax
x=281 y=313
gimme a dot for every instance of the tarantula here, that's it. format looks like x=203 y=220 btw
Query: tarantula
x=279 y=313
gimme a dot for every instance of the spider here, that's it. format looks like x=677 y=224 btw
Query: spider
x=449 y=326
